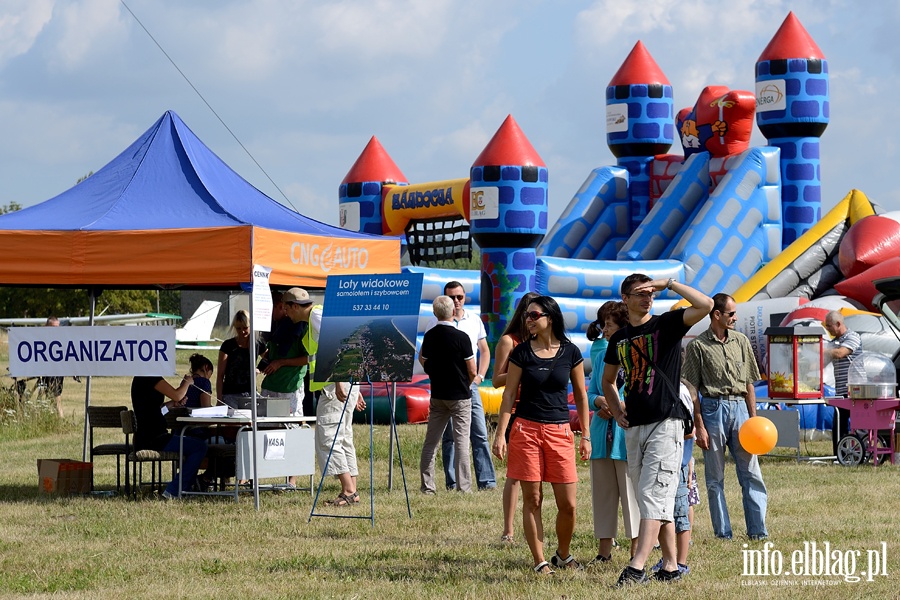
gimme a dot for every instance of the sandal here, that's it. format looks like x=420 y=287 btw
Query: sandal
x=600 y=559
x=354 y=497
x=341 y=500
x=539 y=569
x=507 y=539
x=565 y=563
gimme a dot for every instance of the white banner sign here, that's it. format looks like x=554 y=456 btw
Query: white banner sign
x=484 y=203
x=770 y=95
x=105 y=350
x=274 y=449
x=616 y=118
x=262 y=299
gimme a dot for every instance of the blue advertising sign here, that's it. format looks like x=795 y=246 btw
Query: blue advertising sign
x=369 y=326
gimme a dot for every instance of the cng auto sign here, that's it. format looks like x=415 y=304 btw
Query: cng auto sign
x=107 y=350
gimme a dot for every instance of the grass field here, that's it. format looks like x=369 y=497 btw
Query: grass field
x=111 y=547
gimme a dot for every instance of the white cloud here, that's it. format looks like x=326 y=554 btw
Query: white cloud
x=305 y=84
x=21 y=21
x=88 y=26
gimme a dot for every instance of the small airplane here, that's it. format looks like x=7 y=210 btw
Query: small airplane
x=195 y=334
x=197 y=331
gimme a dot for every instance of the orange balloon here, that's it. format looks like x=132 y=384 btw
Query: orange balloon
x=758 y=435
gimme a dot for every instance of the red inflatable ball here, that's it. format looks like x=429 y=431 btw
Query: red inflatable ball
x=870 y=241
x=805 y=315
x=418 y=402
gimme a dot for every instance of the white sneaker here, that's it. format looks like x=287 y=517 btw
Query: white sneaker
x=167 y=496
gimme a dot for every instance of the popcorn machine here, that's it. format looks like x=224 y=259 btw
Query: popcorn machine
x=794 y=361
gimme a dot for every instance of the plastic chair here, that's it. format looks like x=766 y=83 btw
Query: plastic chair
x=137 y=458
x=108 y=417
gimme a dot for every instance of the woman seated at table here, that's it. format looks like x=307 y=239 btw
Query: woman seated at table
x=148 y=398
x=199 y=395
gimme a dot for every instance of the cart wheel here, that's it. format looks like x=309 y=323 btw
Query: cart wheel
x=881 y=444
x=850 y=451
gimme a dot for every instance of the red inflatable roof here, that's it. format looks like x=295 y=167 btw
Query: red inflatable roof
x=509 y=146
x=639 y=67
x=791 y=41
x=374 y=164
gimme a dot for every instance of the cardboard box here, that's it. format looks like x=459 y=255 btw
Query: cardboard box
x=64 y=476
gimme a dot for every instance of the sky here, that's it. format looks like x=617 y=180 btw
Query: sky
x=304 y=85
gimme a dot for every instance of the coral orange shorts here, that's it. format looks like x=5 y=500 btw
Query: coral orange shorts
x=541 y=452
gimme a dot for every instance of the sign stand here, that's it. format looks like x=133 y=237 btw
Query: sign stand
x=394 y=435
x=369 y=325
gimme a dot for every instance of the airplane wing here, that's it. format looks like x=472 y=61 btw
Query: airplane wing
x=121 y=319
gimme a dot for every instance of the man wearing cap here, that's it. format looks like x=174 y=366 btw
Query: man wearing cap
x=301 y=310
x=287 y=356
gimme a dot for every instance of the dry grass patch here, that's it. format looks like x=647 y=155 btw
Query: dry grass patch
x=93 y=547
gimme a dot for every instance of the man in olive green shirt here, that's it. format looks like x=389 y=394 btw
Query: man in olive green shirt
x=720 y=363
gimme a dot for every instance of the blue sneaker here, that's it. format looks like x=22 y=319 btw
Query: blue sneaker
x=683 y=569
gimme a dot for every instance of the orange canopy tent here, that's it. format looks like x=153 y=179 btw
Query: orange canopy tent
x=167 y=212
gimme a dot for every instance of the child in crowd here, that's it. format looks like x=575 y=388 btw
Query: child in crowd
x=684 y=510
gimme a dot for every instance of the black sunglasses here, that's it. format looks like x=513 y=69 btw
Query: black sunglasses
x=535 y=315
x=460 y=298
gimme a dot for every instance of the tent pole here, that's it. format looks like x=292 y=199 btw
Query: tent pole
x=254 y=426
x=87 y=385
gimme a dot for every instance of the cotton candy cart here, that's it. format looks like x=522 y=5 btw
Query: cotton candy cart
x=871 y=415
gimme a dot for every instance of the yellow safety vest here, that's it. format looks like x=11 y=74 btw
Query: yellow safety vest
x=312 y=346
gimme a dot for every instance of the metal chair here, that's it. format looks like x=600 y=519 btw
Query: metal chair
x=214 y=452
x=137 y=458
x=108 y=417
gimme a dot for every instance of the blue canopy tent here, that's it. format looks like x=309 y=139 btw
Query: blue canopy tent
x=167 y=212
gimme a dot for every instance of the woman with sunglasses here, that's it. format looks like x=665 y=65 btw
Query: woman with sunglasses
x=515 y=333
x=541 y=441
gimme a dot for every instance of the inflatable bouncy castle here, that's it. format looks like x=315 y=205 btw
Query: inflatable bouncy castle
x=721 y=215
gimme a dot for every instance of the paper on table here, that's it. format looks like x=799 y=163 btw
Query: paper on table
x=211 y=411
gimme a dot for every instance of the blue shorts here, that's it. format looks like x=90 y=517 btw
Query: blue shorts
x=682 y=523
